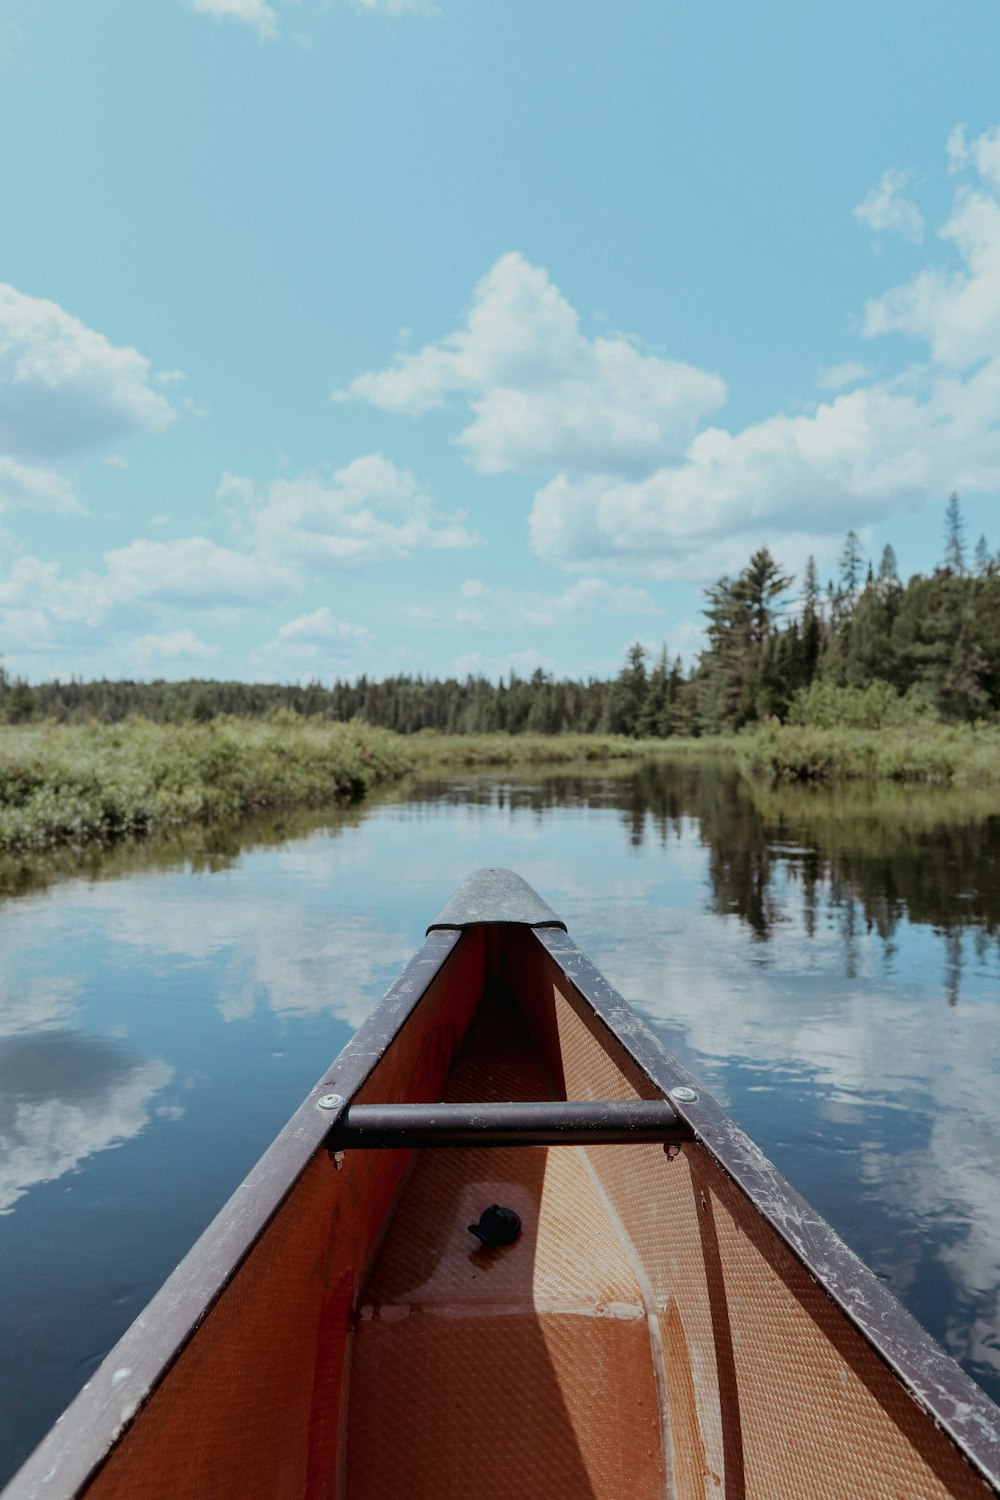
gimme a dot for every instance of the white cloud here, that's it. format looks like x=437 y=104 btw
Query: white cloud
x=64 y=387
x=521 y=663
x=36 y=596
x=314 y=640
x=191 y=571
x=256 y=14
x=838 y=377
x=868 y=453
x=34 y=488
x=885 y=208
x=363 y=513
x=541 y=393
x=320 y=629
x=262 y=18
x=983 y=153
x=398 y=7
x=148 y=650
x=956 y=312
x=590 y=595
x=789 y=480
x=957 y=149
x=482 y=604
x=43 y=609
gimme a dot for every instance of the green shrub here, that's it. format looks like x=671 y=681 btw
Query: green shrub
x=876 y=706
x=71 y=784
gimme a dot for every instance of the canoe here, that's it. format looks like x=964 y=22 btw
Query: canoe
x=508 y=1246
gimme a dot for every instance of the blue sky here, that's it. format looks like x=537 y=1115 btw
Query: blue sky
x=344 y=336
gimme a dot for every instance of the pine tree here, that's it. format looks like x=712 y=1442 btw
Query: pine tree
x=851 y=566
x=812 y=624
x=954 y=533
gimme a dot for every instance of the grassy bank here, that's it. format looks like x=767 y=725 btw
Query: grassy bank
x=62 y=784
x=929 y=753
x=447 y=750
x=74 y=785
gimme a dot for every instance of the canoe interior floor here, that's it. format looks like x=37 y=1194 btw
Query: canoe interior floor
x=525 y=1370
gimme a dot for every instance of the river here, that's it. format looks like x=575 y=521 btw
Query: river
x=828 y=962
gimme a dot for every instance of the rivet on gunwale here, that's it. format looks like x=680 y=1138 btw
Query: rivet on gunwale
x=330 y=1101
x=684 y=1095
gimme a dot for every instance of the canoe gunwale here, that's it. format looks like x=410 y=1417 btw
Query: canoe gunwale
x=934 y=1380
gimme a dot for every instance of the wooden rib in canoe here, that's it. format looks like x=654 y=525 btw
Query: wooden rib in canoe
x=673 y=1320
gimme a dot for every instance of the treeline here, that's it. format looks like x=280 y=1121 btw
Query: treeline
x=864 y=644
x=931 y=645
x=537 y=705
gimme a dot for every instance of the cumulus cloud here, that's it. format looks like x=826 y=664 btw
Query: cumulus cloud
x=34 y=488
x=312 y=640
x=983 y=153
x=838 y=377
x=867 y=453
x=64 y=387
x=886 y=208
x=320 y=629
x=43 y=609
x=363 y=513
x=639 y=482
x=173 y=645
x=541 y=393
x=792 y=480
x=482 y=604
x=256 y=14
x=956 y=310
x=190 y=571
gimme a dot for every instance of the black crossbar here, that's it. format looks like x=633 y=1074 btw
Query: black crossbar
x=549 y=1123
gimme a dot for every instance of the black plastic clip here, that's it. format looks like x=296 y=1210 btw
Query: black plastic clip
x=497 y=1226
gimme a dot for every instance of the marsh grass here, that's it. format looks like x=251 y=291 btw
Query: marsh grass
x=74 y=785
x=432 y=750
x=930 y=752
x=63 y=784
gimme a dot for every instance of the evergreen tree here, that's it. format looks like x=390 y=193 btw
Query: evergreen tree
x=851 y=566
x=983 y=559
x=954 y=534
x=625 y=701
x=812 y=626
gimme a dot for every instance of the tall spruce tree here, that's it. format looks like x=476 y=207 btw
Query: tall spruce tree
x=954 y=536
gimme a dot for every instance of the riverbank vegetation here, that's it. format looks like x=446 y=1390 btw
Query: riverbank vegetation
x=74 y=784
x=446 y=751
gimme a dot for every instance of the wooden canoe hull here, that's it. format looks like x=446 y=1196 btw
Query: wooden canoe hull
x=670 y=1323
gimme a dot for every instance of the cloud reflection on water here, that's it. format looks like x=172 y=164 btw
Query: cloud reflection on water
x=63 y=1097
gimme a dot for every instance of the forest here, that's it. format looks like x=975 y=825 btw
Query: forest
x=863 y=650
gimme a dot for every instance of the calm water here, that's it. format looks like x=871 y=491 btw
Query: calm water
x=828 y=963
